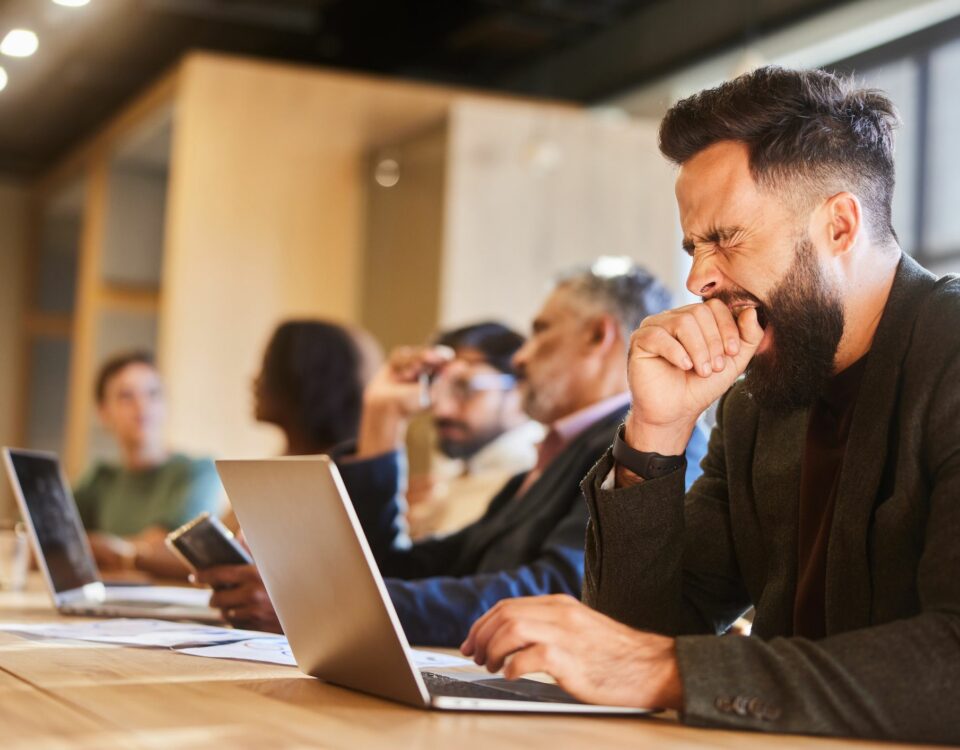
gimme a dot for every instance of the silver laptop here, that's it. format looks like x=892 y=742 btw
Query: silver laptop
x=64 y=557
x=332 y=603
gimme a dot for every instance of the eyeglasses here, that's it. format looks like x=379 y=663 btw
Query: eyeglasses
x=464 y=389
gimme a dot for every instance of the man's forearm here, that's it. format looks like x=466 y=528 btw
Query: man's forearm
x=896 y=681
x=383 y=428
x=634 y=550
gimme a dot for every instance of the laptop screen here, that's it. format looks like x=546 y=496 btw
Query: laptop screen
x=54 y=517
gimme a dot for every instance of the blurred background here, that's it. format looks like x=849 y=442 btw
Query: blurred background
x=182 y=175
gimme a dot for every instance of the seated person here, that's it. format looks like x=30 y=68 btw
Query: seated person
x=483 y=435
x=151 y=490
x=530 y=540
x=830 y=495
x=310 y=385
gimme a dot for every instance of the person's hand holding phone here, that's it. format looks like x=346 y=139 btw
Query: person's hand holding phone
x=241 y=597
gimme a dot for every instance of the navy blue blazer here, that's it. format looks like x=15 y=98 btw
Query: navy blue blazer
x=522 y=546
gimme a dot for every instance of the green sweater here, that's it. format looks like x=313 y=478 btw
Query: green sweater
x=122 y=502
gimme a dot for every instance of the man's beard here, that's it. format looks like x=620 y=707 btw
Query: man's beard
x=470 y=444
x=806 y=314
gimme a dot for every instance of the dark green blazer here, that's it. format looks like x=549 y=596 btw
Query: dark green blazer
x=889 y=666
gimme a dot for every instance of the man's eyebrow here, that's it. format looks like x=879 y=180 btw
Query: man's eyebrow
x=713 y=236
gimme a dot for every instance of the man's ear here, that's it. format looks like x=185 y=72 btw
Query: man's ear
x=604 y=333
x=843 y=214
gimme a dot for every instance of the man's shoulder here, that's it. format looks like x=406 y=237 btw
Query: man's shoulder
x=940 y=309
x=599 y=436
x=934 y=341
x=190 y=468
x=97 y=475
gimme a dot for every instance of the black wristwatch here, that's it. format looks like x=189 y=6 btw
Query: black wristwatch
x=645 y=465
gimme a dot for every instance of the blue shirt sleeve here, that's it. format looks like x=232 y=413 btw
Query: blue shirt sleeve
x=200 y=491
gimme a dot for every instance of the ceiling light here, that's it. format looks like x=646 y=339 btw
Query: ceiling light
x=72 y=3
x=19 y=43
x=3 y=79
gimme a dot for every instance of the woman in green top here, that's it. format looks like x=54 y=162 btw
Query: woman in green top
x=151 y=490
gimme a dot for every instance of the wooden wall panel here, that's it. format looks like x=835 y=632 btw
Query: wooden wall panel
x=13 y=271
x=83 y=364
x=265 y=221
x=404 y=241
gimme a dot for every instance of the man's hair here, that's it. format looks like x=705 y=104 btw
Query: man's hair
x=620 y=288
x=494 y=341
x=807 y=130
x=113 y=366
x=318 y=370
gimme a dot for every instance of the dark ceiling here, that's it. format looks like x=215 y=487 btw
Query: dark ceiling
x=94 y=58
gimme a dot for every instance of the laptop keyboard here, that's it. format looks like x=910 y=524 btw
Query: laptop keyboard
x=496 y=689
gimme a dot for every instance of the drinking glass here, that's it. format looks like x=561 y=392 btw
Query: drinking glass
x=14 y=552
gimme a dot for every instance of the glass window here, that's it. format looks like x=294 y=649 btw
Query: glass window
x=900 y=80
x=942 y=189
x=942 y=267
x=47 y=407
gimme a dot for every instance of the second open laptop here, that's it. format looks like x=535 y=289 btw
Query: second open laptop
x=64 y=557
x=331 y=600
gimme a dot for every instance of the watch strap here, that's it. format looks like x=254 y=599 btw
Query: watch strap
x=644 y=465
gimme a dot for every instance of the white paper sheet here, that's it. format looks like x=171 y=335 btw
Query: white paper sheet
x=276 y=650
x=433 y=660
x=134 y=632
x=273 y=650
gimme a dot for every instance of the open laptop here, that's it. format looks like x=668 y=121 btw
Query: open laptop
x=64 y=557
x=332 y=603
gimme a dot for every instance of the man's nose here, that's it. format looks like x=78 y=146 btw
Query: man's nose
x=442 y=403
x=704 y=278
x=519 y=359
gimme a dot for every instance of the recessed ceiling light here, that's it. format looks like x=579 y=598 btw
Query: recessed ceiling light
x=72 y=3
x=3 y=79
x=19 y=43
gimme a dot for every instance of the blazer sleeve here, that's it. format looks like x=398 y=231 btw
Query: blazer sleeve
x=375 y=486
x=439 y=611
x=660 y=561
x=899 y=680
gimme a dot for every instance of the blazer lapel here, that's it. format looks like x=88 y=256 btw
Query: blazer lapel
x=568 y=468
x=848 y=585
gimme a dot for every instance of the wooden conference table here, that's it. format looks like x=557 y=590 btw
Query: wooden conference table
x=83 y=695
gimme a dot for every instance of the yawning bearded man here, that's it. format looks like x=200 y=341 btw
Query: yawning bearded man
x=830 y=495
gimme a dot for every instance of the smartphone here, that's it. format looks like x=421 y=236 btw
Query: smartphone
x=205 y=542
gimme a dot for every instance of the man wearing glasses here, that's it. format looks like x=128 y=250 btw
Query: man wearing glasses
x=572 y=378
x=483 y=436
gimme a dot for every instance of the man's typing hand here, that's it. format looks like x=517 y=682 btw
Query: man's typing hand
x=592 y=657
